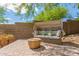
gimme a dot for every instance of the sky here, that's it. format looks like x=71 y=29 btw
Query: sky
x=72 y=10
x=10 y=13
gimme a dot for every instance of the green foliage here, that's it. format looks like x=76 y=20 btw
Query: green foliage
x=55 y=13
x=51 y=11
x=30 y=8
x=2 y=12
x=78 y=5
x=77 y=19
x=48 y=6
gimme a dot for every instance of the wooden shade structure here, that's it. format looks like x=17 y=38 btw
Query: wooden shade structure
x=51 y=24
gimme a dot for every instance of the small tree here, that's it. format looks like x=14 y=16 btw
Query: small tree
x=55 y=13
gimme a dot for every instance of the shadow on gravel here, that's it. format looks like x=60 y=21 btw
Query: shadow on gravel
x=39 y=49
x=70 y=44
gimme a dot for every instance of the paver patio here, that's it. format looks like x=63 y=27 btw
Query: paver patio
x=20 y=48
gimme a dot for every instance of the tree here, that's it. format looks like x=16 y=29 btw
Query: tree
x=55 y=13
x=77 y=5
x=30 y=9
x=2 y=12
x=77 y=19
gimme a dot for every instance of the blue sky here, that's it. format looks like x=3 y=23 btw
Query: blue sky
x=72 y=9
x=10 y=14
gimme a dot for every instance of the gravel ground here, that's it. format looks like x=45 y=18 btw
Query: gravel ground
x=74 y=38
x=20 y=48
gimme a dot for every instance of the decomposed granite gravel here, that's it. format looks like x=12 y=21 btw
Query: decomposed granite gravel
x=20 y=48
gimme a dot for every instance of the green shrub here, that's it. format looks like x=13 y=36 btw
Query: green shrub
x=55 y=13
x=77 y=19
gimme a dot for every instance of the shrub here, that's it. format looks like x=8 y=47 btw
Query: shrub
x=77 y=19
x=55 y=13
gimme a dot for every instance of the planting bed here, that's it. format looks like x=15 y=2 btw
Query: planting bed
x=6 y=39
